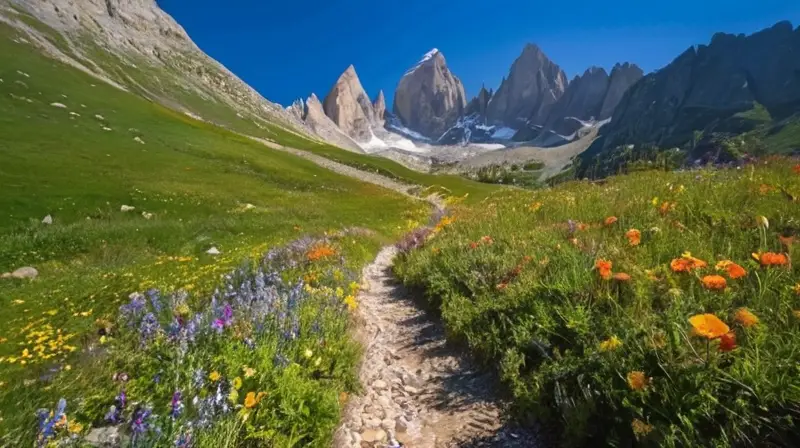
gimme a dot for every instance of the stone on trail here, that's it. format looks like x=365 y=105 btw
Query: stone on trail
x=373 y=435
x=127 y=208
x=104 y=437
x=47 y=220
x=213 y=251
x=59 y=105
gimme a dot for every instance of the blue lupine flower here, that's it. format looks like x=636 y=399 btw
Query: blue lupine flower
x=155 y=299
x=149 y=328
x=140 y=423
x=48 y=421
x=135 y=308
x=176 y=405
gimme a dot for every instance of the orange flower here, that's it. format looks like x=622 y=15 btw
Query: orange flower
x=604 y=268
x=745 y=317
x=487 y=240
x=666 y=207
x=319 y=252
x=610 y=220
x=634 y=237
x=796 y=169
x=582 y=226
x=687 y=263
x=734 y=270
x=637 y=380
x=251 y=400
x=473 y=245
x=714 y=282
x=727 y=342
x=773 y=259
x=708 y=326
x=622 y=277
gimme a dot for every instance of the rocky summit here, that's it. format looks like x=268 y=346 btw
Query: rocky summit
x=429 y=98
x=533 y=85
x=349 y=106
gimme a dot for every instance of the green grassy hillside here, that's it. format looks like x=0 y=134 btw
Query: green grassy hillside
x=653 y=309
x=194 y=186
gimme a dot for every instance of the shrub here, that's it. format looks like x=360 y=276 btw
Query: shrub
x=686 y=338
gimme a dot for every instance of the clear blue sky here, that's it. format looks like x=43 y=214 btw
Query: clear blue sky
x=288 y=49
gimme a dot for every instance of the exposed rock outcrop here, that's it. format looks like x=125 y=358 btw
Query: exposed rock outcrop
x=311 y=113
x=379 y=107
x=349 y=106
x=479 y=104
x=708 y=85
x=533 y=85
x=429 y=98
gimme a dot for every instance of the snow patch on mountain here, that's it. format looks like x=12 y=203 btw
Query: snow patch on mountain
x=427 y=57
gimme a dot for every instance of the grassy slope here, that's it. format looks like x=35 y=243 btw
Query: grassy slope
x=541 y=322
x=195 y=178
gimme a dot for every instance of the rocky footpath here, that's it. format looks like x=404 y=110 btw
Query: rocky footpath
x=418 y=391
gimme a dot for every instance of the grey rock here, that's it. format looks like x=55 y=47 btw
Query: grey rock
x=379 y=384
x=213 y=251
x=107 y=437
x=26 y=272
x=47 y=220
x=379 y=106
x=349 y=106
x=138 y=140
x=312 y=114
x=533 y=85
x=59 y=105
x=429 y=99
x=622 y=77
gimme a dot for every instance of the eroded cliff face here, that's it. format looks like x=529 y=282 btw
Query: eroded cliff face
x=349 y=106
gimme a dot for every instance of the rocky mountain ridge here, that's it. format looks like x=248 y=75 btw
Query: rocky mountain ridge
x=148 y=52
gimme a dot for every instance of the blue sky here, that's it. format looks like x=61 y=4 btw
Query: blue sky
x=288 y=49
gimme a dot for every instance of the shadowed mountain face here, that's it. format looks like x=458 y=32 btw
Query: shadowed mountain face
x=533 y=85
x=707 y=86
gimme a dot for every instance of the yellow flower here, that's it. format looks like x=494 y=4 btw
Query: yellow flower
x=51 y=312
x=248 y=371
x=75 y=427
x=637 y=380
x=214 y=376
x=67 y=367
x=796 y=313
x=796 y=289
x=308 y=353
x=339 y=292
x=610 y=344
x=233 y=396
x=237 y=383
x=354 y=287
x=351 y=303
x=251 y=399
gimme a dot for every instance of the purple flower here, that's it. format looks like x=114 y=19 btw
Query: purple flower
x=149 y=328
x=135 y=308
x=140 y=423
x=47 y=423
x=113 y=415
x=184 y=439
x=176 y=405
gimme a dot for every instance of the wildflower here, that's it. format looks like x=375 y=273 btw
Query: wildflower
x=666 y=207
x=535 y=206
x=237 y=383
x=140 y=421
x=708 y=326
x=610 y=344
x=714 y=282
x=610 y=220
x=487 y=240
x=248 y=371
x=734 y=270
x=251 y=399
x=75 y=428
x=796 y=289
x=214 y=376
x=796 y=314
x=727 y=342
x=320 y=252
x=604 y=268
x=622 y=277
x=762 y=221
x=49 y=421
x=745 y=318
x=176 y=405
x=634 y=237
x=637 y=380
x=772 y=259
x=640 y=428
x=308 y=353
x=473 y=245
x=687 y=263
x=796 y=169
